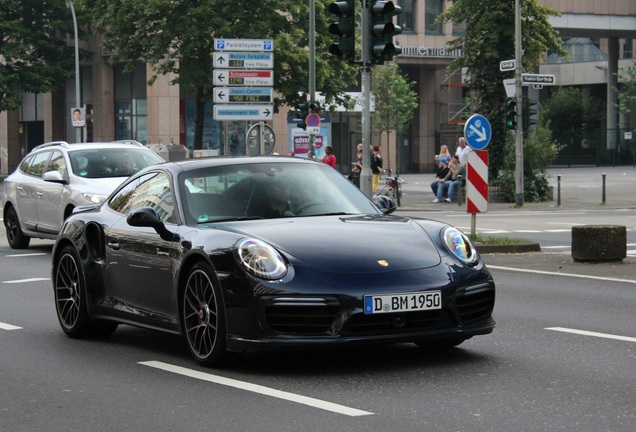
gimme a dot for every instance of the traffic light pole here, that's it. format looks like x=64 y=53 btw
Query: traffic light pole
x=365 y=174
x=519 y=99
x=312 y=69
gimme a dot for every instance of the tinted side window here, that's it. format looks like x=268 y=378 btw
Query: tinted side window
x=151 y=190
x=36 y=168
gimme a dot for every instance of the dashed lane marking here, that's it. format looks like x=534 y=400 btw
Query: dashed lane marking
x=5 y=326
x=594 y=334
x=255 y=388
x=17 y=281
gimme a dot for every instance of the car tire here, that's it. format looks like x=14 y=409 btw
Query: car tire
x=71 y=303
x=15 y=236
x=203 y=316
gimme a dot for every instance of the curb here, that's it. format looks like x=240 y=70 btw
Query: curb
x=509 y=248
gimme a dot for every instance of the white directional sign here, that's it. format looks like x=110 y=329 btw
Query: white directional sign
x=544 y=79
x=235 y=60
x=230 y=77
x=243 y=94
x=507 y=65
x=243 y=45
x=243 y=112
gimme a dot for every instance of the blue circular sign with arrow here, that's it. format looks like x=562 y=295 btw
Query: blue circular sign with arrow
x=477 y=132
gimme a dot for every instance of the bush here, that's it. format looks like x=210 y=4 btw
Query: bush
x=539 y=151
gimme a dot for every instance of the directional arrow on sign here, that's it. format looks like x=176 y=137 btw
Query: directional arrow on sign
x=481 y=134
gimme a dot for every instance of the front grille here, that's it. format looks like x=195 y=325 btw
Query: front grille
x=475 y=303
x=390 y=323
x=299 y=316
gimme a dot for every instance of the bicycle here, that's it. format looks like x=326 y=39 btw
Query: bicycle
x=391 y=187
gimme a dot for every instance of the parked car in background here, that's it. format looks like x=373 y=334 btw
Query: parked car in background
x=249 y=253
x=56 y=177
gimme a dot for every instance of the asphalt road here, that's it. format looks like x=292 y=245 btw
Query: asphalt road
x=561 y=358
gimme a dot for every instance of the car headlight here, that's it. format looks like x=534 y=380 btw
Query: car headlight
x=261 y=259
x=94 y=198
x=459 y=245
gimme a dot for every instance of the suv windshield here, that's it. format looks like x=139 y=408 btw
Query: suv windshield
x=115 y=162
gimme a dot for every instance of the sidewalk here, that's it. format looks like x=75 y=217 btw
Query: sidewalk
x=581 y=188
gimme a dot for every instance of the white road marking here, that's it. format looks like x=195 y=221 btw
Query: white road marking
x=26 y=280
x=316 y=403
x=26 y=255
x=560 y=274
x=558 y=230
x=595 y=334
x=5 y=326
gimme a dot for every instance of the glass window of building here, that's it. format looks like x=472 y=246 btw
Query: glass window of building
x=131 y=104
x=406 y=18
x=433 y=9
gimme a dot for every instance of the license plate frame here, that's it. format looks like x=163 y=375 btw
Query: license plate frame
x=404 y=302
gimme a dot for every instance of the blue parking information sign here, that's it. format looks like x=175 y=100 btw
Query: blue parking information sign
x=477 y=132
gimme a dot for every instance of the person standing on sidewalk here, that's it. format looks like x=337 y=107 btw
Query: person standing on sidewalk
x=376 y=168
x=462 y=151
x=330 y=158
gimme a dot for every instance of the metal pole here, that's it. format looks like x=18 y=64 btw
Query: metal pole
x=365 y=174
x=519 y=97
x=603 y=202
x=78 y=101
x=312 y=69
x=559 y=190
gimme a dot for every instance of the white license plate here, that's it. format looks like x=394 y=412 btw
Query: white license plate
x=407 y=302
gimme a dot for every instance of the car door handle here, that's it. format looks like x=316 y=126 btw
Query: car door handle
x=40 y=194
x=113 y=245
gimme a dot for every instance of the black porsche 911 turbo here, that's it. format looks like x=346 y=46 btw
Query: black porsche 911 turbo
x=267 y=252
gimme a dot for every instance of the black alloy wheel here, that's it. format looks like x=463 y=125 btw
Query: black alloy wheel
x=70 y=299
x=204 y=316
x=16 y=238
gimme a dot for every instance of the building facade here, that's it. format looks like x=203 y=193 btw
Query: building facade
x=121 y=105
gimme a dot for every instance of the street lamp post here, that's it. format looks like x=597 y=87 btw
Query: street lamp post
x=78 y=102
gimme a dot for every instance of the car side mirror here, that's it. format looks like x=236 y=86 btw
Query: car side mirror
x=54 y=177
x=385 y=203
x=148 y=217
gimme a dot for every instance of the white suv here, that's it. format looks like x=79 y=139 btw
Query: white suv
x=56 y=177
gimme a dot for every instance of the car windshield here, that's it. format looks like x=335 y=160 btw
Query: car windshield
x=111 y=162
x=267 y=190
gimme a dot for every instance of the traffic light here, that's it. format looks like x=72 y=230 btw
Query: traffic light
x=302 y=111
x=529 y=113
x=382 y=31
x=511 y=113
x=345 y=29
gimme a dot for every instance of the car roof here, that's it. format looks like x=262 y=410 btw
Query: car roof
x=90 y=145
x=195 y=163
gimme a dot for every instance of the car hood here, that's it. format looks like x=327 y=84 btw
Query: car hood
x=348 y=244
x=102 y=186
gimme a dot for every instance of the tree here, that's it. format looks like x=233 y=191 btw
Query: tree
x=178 y=36
x=627 y=90
x=572 y=115
x=394 y=101
x=35 y=55
x=488 y=40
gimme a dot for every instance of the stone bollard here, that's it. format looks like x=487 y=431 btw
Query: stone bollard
x=599 y=242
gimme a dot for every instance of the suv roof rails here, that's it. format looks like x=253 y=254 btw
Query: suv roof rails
x=130 y=141
x=53 y=143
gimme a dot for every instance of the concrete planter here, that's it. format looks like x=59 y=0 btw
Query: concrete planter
x=599 y=243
